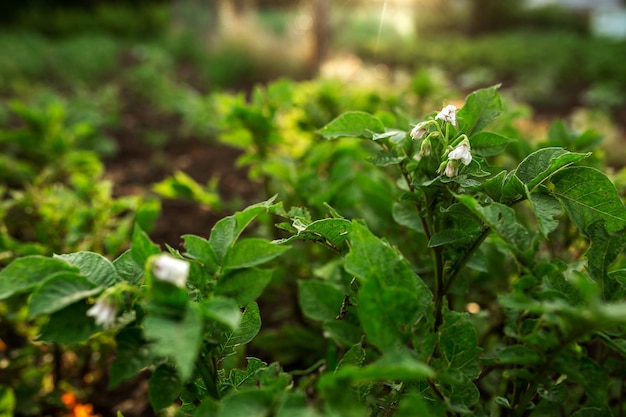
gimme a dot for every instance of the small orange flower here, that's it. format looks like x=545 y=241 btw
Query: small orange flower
x=75 y=408
x=69 y=399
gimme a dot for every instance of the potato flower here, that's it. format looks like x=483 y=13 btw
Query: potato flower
x=447 y=114
x=169 y=269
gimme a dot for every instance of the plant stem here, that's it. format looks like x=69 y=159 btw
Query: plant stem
x=207 y=368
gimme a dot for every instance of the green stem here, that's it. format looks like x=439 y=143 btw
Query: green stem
x=208 y=372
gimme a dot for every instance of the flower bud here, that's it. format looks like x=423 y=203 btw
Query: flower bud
x=169 y=269
x=452 y=169
x=418 y=131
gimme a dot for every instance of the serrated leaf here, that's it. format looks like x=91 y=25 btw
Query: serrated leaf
x=356 y=124
x=242 y=379
x=319 y=300
x=59 y=291
x=542 y=164
x=95 y=267
x=244 y=285
x=25 y=273
x=251 y=252
x=179 y=340
x=481 y=107
x=132 y=355
x=546 y=209
x=247 y=330
x=164 y=387
x=488 y=143
x=588 y=196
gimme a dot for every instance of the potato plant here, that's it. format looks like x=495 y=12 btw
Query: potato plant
x=501 y=293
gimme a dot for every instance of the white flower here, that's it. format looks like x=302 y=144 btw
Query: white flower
x=167 y=268
x=462 y=152
x=418 y=131
x=452 y=168
x=103 y=312
x=447 y=114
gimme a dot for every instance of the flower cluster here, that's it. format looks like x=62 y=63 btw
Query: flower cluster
x=461 y=153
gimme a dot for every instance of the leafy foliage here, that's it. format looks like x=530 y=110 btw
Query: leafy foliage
x=492 y=292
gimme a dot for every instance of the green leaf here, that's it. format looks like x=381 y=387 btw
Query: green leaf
x=244 y=285
x=296 y=405
x=604 y=249
x=319 y=300
x=488 y=143
x=447 y=237
x=395 y=366
x=386 y=158
x=164 y=387
x=387 y=313
x=255 y=403
x=25 y=273
x=247 y=330
x=252 y=252
x=356 y=124
x=588 y=196
x=459 y=344
x=500 y=218
x=392 y=295
x=59 y=291
x=94 y=266
x=518 y=355
x=412 y=405
x=228 y=229
x=132 y=355
x=224 y=311
x=142 y=247
x=542 y=164
x=591 y=412
x=333 y=231
x=200 y=249
x=56 y=330
x=127 y=268
x=405 y=214
x=546 y=209
x=179 y=340
x=481 y=107
x=241 y=379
